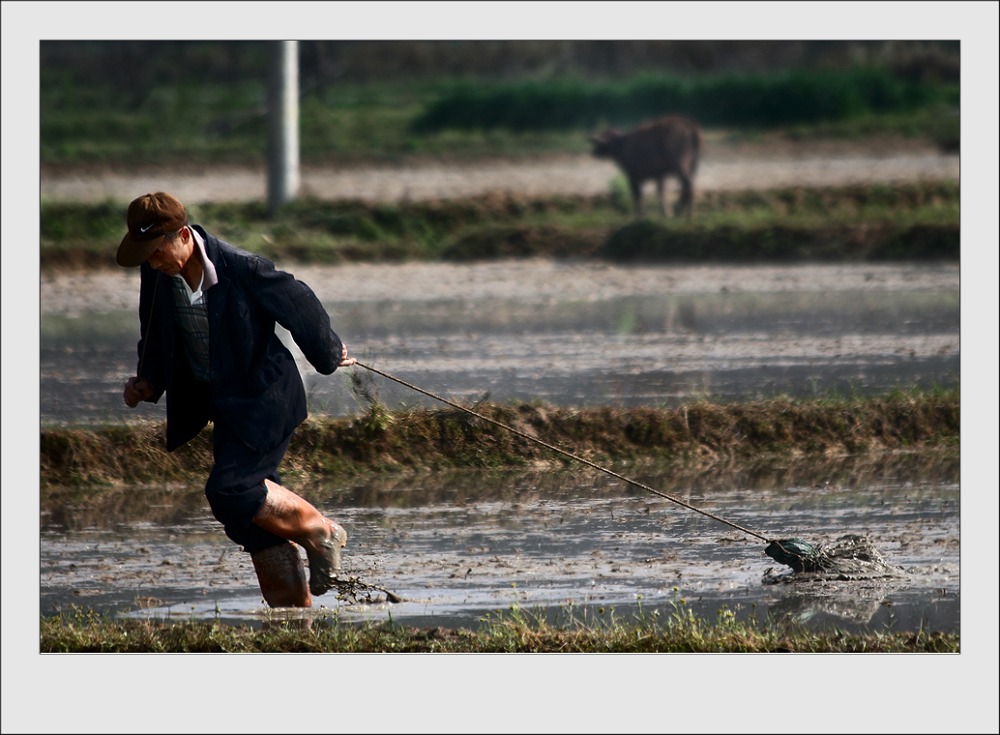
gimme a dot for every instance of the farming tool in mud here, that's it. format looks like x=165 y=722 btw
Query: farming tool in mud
x=851 y=556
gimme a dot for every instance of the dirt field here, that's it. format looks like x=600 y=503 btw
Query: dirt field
x=725 y=165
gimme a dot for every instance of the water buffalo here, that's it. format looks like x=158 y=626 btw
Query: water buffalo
x=666 y=147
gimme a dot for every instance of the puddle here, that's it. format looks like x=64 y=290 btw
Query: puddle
x=461 y=547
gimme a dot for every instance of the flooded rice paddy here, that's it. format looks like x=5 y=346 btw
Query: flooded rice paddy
x=570 y=334
x=457 y=547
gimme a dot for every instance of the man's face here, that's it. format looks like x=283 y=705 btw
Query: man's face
x=173 y=253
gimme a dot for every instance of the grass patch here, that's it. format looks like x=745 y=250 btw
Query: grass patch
x=513 y=631
x=911 y=221
x=700 y=433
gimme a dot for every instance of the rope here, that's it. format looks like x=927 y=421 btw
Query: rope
x=563 y=452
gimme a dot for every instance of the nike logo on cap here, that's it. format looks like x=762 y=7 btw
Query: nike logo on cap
x=147 y=228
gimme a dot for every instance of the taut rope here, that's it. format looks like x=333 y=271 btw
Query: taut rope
x=563 y=452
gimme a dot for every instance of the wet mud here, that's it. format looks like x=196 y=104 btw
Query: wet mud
x=455 y=550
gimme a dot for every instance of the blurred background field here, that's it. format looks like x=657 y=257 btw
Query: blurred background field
x=133 y=103
x=110 y=108
x=917 y=221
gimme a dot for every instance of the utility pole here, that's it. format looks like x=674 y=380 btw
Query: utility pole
x=283 y=125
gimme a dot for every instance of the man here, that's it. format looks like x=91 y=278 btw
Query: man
x=207 y=315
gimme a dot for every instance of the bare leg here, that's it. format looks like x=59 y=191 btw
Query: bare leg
x=281 y=576
x=294 y=518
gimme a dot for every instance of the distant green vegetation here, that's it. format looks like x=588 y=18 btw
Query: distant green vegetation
x=902 y=221
x=731 y=101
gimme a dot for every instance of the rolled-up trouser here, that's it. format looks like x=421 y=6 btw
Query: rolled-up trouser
x=235 y=487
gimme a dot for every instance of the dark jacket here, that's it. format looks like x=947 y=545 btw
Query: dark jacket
x=256 y=387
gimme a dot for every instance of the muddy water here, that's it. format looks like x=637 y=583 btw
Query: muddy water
x=462 y=547
x=571 y=334
x=459 y=547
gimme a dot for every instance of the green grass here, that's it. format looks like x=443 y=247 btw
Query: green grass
x=516 y=630
x=906 y=221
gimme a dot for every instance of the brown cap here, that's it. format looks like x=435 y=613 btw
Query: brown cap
x=151 y=217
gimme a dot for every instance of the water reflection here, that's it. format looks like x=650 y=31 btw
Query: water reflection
x=657 y=350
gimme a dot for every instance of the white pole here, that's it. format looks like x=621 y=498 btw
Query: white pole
x=283 y=125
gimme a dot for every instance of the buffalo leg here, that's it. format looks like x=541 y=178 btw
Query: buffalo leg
x=661 y=192
x=635 y=187
x=687 y=196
